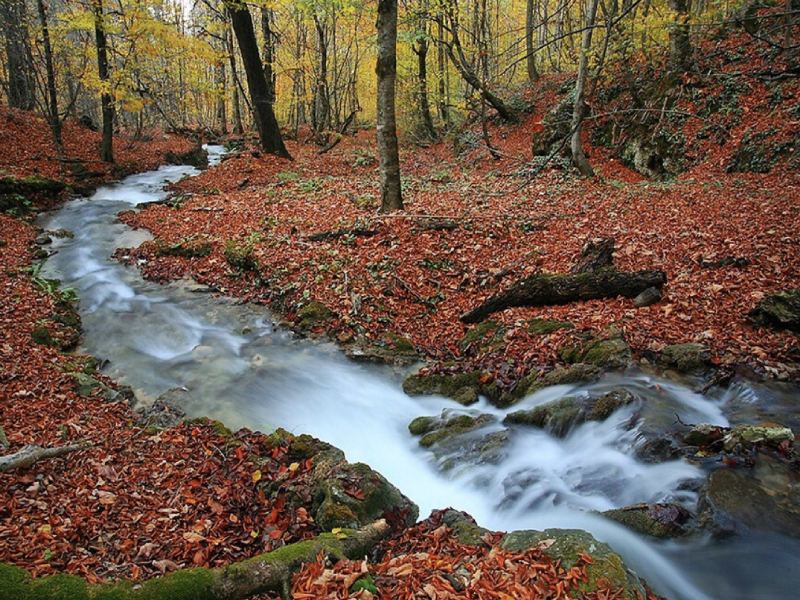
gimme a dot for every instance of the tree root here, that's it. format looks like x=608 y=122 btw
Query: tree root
x=270 y=572
x=30 y=455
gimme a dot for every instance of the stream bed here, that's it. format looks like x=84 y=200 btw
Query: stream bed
x=235 y=365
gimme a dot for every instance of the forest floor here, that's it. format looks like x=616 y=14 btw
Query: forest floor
x=474 y=225
x=142 y=501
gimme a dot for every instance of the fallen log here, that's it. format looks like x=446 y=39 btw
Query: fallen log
x=30 y=455
x=541 y=290
x=270 y=572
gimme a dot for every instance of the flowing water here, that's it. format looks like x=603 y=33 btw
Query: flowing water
x=237 y=366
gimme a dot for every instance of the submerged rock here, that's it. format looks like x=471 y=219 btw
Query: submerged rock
x=655 y=520
x=748 y=436
x=560 y=416
x=781 y=311
x=766 y=497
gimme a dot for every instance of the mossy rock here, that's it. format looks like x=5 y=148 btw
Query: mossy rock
x=314 y=314
x=535 y=381
x=560 y=416
x=240 y=256
x=780 y=311
x=447 y=426
x=566 y=545
x=353 y=495
x=466 y=530
x=685 y=358
x=189 y=248
x=399 y=343
x=32 y=184
x=196 y=157
x=747 y=437
x=545 y=326
x=87 y=386
x=663 y=521
x=42 y=336
x=604 y=406
x=606 y=352
x=482 y=336
x=461 y=387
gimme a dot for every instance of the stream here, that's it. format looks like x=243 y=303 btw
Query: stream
x=237 y=366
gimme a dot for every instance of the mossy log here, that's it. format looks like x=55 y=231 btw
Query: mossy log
x=541 y=290
x=270 y=572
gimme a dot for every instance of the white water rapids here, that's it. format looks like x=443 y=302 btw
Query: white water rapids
x=238 y=368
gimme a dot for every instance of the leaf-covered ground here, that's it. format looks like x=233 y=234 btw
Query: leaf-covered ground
x=413 y=280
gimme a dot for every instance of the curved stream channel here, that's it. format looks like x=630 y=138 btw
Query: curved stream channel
x=239 y=368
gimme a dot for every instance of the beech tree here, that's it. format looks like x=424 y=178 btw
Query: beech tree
x=106 y=100
x=268 y=130
x=386 y=69
x=578 y=112
x=21 y=86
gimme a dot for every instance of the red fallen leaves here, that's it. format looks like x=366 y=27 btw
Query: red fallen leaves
x=428 y=561
x=137 y=503
x=29 y=149
x=416 y=282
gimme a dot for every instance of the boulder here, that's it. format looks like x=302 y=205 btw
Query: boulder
x=567 y=545
x=435 y=430
x=609 y=352
x=342 y=494
x=685 y=358
x=461 y=387
x=749 y=436
x=166 y=411
x=656 y=520
x=314 y=314
x=780 y=311
x=560 y=416
x=535 y=381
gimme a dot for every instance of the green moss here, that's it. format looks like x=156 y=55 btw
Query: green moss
x=483 y=334
x=240 y=256
x=399 y=343
x=423 y=425
x=535 y=381
x=187 y=248
x=59 y=587
x=545 y=326
x=685 y=357
x=462 y=387
x=313 y=314
x=558 y=416
x=41 y=335
x=453 y=426
x=608 y=352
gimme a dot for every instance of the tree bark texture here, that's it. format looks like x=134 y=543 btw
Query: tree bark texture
x=106 y=100
x=576 y=145
x=386 y=70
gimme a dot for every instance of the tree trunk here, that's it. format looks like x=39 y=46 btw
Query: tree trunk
x=106 y=101
x=421 y=50
x=53 y=118
x=530 y=57
x=21 y=87
x=680 y=46
x=579 y=110
x=444 y=91
x=321 y=108
x=456 y=52
x=238 y=128
x=267 y=17
x=386 y=69
x=268 y=130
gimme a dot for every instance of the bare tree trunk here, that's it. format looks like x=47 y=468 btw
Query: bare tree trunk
x=53 y=118
x=270 y=40
x=444 y=88
x=321 y=107
x=421 y=50
x=530 y=57
x=268 y=130
x=238 y=127
x=579 y=110
x=386 y=69
x=222 y=113
x=106 y=101
x=21 y=87
x=680 y=46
